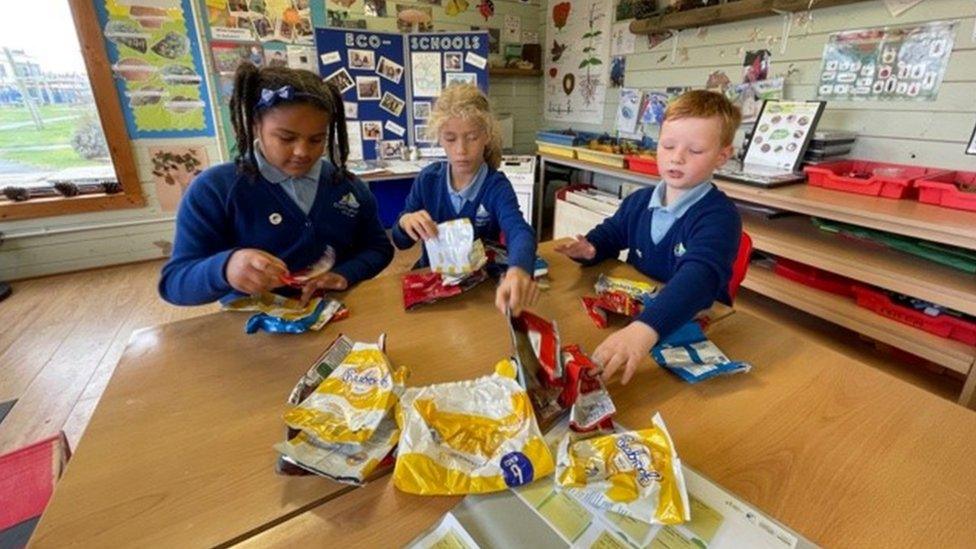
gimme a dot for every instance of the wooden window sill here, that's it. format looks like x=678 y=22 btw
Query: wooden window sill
x=60 y=205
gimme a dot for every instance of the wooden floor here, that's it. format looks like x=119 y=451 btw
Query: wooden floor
x=61 y=337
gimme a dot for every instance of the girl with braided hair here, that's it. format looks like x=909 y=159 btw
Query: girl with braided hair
x=286 y=203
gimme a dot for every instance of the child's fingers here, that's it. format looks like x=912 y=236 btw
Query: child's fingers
x=501 y=298
x=629 y=369
x=611 y=366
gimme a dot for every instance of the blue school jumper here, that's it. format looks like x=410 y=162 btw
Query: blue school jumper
x=226 y=210
x=694 y=256
x=492 y=210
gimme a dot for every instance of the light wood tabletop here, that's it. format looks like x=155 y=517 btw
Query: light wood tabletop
x=179 y=451
x=844 y=454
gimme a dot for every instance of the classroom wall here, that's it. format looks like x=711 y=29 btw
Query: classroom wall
x=927 y=133
x=76 y=242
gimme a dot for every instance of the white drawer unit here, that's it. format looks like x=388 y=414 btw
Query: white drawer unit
x=520 y=170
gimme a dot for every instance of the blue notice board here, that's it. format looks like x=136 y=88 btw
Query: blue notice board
x=449 y=57
x=368 y=67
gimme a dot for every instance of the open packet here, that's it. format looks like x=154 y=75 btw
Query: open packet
x=469 y=437
x=343 y=427
x=633 y=473
x=279 y=314
x=455 y=251
x=690 y=355
x=319 y=268
x=617 y=295
x=558 y=379
x=457 y=264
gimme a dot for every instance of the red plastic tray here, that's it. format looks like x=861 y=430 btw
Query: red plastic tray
x=943 y=190
x=814 y=277
x=943 y=325
x=877 y=178
x=642 y=164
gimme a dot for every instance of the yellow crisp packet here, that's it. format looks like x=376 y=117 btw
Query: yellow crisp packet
x=469 y=437
x=455 y=250
x=636 y=474
x=636 y=289
x=349 y=463
x=348 y=406
x=274 y=305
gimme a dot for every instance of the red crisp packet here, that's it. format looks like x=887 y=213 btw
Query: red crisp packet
x=429 y=287
x=592 y=307
x=591 y=406
x=544 y=338
x=620 y=303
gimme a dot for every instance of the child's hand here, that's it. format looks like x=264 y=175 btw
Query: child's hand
x=577 y=249
x=254 y=271
x=626 y=347
x=325 y=281
x=418 y=225
x=517 y=291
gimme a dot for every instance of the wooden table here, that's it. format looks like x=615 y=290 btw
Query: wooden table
x=179 y=450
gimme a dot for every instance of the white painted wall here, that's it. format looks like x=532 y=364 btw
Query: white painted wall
x=925 y=133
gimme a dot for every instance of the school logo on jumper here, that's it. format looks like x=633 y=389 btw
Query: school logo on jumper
x=347 y=205
x=679 y=249
x=482 y=217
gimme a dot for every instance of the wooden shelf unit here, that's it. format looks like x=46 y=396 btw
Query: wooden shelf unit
x=905 y=217
x=727 y=12
x=955 y=355
x=796 y=238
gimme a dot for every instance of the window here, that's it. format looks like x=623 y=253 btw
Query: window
x=63 y=143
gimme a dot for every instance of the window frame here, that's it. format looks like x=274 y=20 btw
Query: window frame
x=113 y=125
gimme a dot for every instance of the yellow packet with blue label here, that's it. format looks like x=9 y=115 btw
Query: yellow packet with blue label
x=635 y=473
x=348 y=406
x=469 y=437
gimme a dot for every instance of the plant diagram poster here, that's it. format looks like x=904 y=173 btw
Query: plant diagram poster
x=577 y=52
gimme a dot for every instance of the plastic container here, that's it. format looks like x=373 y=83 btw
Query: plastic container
x=943 y=190
x=600 y=157
x=642 y=164
x=943 y=325
x=872 y=178
x=560 y=137
x=814 y=277
x=556 y=150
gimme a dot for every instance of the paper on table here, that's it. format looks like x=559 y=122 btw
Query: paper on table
x=449 y=534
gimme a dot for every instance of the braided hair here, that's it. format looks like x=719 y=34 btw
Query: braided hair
x=309 y=89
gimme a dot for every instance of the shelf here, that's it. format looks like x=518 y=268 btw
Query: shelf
x=798 y=239
x=505 y=71
x=621 y=173
x=949 y=353
x=726 y=13
x=905 y=217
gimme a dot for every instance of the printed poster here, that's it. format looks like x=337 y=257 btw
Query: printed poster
x=887 y=63
x=173 y=169
x=749 y=97
x=152 y=48
x=781 y=132
x=426 y=74
x=260 y=20
x=577 y=60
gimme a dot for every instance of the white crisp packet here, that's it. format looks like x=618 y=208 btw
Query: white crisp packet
x=455 y=251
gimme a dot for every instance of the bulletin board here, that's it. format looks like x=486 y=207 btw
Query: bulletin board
x=437 y=60
x=155 y=58
x=368 y=67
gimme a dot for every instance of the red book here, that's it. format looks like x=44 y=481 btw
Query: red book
x=27 y=478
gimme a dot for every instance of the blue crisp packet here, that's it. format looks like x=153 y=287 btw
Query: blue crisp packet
x=285 y=324
x=688 y=354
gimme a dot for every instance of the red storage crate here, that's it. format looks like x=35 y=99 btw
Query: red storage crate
x=814 y=277
x=943 y=325
x=863 y=177
x=944 y=190
x=642 y=164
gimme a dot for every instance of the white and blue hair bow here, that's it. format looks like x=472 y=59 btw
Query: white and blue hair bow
x=270 y=98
